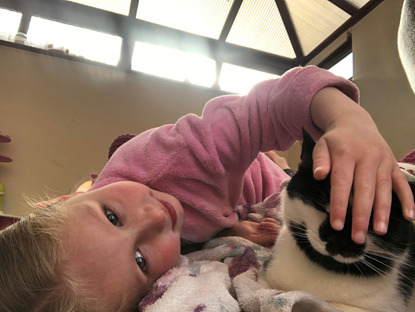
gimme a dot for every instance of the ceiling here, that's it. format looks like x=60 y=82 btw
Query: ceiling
x=267 y=35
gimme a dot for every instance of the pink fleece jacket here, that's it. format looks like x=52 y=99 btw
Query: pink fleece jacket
x=213 y=162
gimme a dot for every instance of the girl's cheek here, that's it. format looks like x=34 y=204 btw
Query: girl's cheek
x=172 y=255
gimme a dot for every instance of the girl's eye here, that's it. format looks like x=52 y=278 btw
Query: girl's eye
x=141 y=262
x=112 y=217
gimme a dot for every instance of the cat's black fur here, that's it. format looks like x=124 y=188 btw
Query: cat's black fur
x=386 y=261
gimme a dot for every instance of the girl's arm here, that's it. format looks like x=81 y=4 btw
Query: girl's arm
x=357 y=156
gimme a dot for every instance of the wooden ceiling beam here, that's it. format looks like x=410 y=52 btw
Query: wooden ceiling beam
x=345 y=6
x=366 y=9
x=289 y=27
x=343 y=50
x=233 y=12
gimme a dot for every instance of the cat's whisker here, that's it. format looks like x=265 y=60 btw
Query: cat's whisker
x=384 y=255
x=385 y=273
x=373 y=266
x=356 y=265
x=391 y=268
x=396 y=254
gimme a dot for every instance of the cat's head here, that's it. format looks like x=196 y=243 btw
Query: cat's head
x=306 y=214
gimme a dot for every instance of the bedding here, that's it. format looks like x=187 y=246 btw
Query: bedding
x=223 y=275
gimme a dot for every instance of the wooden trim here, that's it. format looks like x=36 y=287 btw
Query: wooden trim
x=336 y=56
x=230 y=20
x=289 y=27
x=345 y=6
x=342 y=29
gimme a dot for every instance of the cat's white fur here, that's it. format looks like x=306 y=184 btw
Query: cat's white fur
x=289 y=269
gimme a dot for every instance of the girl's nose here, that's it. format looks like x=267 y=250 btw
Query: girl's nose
x=153 y=221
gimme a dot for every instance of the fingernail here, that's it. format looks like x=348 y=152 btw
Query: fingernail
x=337 y=225
x=317 y=170
x=359 y=237
x=381 y=227
x=411 y=214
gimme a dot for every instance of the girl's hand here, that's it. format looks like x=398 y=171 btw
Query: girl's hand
x=358 y=157
x=263 y=233
x=277 y=159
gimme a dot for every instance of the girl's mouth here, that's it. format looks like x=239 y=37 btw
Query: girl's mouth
x=171 y=211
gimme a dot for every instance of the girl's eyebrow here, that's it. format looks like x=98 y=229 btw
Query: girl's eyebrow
x=95 y=213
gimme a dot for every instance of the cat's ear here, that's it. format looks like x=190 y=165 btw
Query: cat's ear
x=307 y=149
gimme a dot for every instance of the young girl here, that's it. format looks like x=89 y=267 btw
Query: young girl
x=105 y=248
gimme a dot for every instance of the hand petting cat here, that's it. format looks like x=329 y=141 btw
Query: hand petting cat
x=357 y=157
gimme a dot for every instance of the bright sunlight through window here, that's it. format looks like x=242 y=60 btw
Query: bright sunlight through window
x=200 y=17
x=344 y=68
x=173 y=64
x=239 y=79
x=82 y=42
x=119 y=6
x=9 y=24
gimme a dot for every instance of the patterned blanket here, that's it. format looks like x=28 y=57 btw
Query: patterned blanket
x=223 y=276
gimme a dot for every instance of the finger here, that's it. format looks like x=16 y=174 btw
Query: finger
x=321 y=160
x=265 y=240
x=270 y=229
x=363 y=199
x=383 y=200
x=341 y=180
x=272 y=232
x=268 y=221
x=402 y=189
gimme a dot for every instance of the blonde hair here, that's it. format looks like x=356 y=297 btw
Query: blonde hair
x=32 y=277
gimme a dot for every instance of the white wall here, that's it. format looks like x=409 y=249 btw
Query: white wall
x=378 y=72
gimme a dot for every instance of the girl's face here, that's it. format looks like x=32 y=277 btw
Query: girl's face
x=121 y=238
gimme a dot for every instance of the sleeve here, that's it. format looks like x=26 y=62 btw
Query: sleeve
x=202 y=160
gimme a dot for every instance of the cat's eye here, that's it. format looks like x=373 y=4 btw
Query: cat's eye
x=112 y=217
x=141 y=262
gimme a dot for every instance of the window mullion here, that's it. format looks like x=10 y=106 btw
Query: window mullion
x=127 y=46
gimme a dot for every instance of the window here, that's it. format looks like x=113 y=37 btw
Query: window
x=174 y=64
x=344 y=67
x=315 y=20
x=259 y=25
x=187 y=40
x=9 y=24
x=201 y=17
x=118 y=6
x=78 y=41
x=240 y=79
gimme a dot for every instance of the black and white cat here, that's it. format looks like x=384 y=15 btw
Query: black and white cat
x=310 y=256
